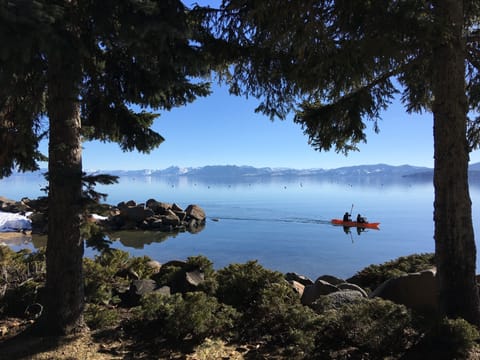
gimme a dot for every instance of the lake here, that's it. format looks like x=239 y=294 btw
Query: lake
x=284 y=223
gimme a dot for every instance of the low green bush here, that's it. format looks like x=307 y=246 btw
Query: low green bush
x=376 y=329
x=202 y=263
x=452 y=338
x=173 y=275
x=99 y=317
x=192 y=317
x=240 y=285
x=279 y=319
x=22 y=274
x=18 y=298
x=101 y=274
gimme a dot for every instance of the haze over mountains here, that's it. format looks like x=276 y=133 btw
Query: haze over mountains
x=234 y=171
x=250 y=172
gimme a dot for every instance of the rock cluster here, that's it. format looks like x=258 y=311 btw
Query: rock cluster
x=36 y=211
x=337 y=290
x=187 y=279
x=416 y=291
x=152 y=215
x=156 y=216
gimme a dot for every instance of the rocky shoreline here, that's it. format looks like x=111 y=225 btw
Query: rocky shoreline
x=415 y=290
x=152 y=215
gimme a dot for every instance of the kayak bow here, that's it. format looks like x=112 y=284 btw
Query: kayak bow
x=355 y=224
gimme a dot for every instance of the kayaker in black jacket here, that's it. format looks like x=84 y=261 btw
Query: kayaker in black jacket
x=346 y=217
x=360 y=219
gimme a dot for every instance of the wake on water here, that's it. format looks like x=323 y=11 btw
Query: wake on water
x=282 y=220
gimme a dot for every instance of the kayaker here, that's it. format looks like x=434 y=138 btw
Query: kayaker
x=346 y=217
x=360 y=219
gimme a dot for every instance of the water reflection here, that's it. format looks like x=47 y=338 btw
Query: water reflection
x=283 y=223
x=137 y=239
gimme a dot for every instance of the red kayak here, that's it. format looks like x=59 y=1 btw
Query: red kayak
x=355 y=224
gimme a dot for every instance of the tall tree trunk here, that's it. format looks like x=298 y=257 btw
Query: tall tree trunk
x=64 y=285
x=454 y=238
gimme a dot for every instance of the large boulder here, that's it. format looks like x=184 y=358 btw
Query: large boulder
x=158 y=207
x=136 y=213
x=195 y=212
x=416 y=290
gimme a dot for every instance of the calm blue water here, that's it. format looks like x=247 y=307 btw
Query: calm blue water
x=284 y=224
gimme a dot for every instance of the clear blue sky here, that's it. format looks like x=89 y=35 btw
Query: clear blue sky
x=224 y=130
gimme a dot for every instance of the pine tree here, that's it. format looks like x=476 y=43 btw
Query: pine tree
x=338 y=64
x=71 y=70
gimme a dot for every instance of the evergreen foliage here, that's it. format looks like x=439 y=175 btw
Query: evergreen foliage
x=338 y=64
x=87 y=70
x=240 y=285
x=275 y=322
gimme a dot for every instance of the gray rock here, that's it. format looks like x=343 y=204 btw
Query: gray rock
x=195 y=212
x=299 y=278
x=154 y=265
x=313 y=292
x=181 y=215
x=158 y=207
x=195 y=278
x=170 y=218
x=164 y=290
x=331 y=279
x=138 y=288
x=176 y=208
x=143 y=286
x=338 y=299
x=135 y=213
x=348 y=286
x=298 y=287
x=416 y=291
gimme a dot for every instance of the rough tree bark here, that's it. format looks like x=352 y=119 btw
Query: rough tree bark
x=65 y=248
x=454 y=237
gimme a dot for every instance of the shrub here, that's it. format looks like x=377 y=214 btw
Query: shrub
x=99 y=317
x=21 y=275
x=18 y=267
x=100 y=275
x=374 y=275
x=173 y=275
x=280 y=319
x=209 y=286
x=452 y=338
x=240 y=285
x=194 y=316
x=139 y=265
x=18 y=298
x=375 y=329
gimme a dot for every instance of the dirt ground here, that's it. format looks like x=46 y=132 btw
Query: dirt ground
x=17 y=344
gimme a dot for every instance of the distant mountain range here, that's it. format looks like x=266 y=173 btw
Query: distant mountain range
x=233 y=171
x=249 y=172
